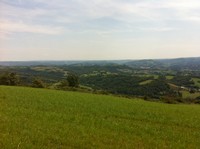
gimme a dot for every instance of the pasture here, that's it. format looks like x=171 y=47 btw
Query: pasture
x=42 y=118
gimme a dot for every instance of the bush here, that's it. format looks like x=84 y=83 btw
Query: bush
x=37 y=83
x=9 y=79
x=198 y=98
x=72 y=80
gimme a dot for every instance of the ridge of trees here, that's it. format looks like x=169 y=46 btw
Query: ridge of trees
x=12 y=79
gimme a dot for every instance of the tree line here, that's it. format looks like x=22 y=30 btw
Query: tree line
x=14 y=79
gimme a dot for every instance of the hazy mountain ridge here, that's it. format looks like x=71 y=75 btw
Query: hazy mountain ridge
x=178 y=63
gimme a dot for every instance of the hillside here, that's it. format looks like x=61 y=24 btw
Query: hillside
x=176 y=63
x=41 y=118
x=165 y=80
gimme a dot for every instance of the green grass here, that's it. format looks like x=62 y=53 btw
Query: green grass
x=196 y=82
x=145 y=82
x=187 y=94
x=41 y=118
x=150 y=75
x=169 y=77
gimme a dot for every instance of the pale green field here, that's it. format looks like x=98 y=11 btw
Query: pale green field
x=169 y=77
x=196 y=81
x=145 y=82
x=187 y=94
x=43 y=119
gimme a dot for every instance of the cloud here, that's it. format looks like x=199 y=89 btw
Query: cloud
x=158 y=29
x=35 y=16
x=99 y=27
x=10 y=27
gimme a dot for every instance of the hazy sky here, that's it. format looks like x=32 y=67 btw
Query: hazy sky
x=98 y=29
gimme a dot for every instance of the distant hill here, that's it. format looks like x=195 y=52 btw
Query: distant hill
x=36 y=63
x=182 y=63
x=154 y=78
x=179 y=63
x=59 y=63
x=146 y=64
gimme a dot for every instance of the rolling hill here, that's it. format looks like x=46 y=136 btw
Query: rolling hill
x=176 y=63
x=42 y=118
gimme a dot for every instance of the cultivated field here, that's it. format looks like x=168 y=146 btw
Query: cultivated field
x=41 y=118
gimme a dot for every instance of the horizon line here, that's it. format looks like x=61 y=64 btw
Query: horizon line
x=98 y=59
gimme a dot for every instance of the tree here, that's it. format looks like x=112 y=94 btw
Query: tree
x=38 y=83
x=162 y=78
x=72 y=80
x=9 y=79
x=62 y=84
x=192 y=91
x=198 y=98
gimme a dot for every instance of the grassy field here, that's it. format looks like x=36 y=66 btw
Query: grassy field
x=145 y=82
x=169 y=77
x=41 y=119
x=196 y=81
x=187 y=94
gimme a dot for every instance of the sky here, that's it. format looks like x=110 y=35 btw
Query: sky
x=98 y=29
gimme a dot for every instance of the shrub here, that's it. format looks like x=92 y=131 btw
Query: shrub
x=9 y=79
x=37 y=83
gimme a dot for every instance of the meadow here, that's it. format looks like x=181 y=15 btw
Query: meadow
x=187 y=94
x=42 y=118
x=196 y=81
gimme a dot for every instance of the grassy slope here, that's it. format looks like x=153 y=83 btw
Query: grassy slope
x=39 y=118
x=145 y=82
x=196 y=81
x=169 y=77
x=187 y=94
